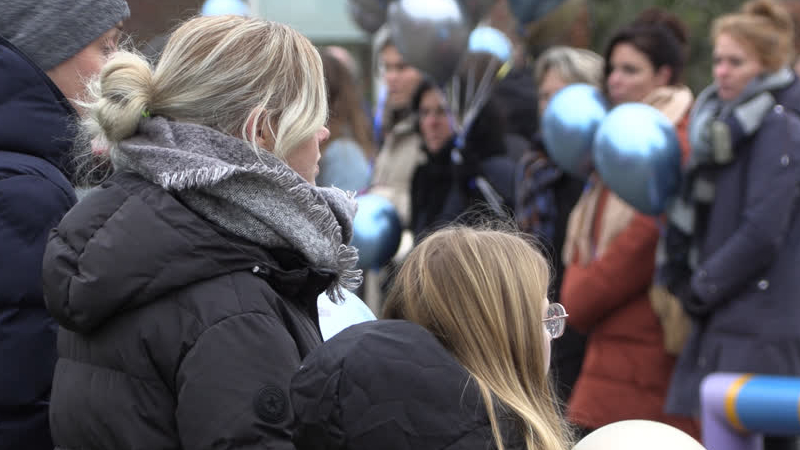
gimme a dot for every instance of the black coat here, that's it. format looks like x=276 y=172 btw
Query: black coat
x=746 y=288
x=389 y=385
x=174 y=334
x=35 y=138
x=430 y=185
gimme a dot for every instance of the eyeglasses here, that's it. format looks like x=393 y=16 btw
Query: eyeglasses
x=555 y=320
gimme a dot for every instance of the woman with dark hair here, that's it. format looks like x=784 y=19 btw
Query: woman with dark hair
x=609 y=252
x=431 y=180
x=451 y=182
x=649 y=53
x=346 y=154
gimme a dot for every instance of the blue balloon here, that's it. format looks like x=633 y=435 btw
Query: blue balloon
x=490 y=40
x=223 y=7
x=569 y=124
x=376 y=231
x=528 y=11
x=638 y=156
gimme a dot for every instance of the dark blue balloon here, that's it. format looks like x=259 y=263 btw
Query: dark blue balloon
x=569 y=124
x=527 y=11
x=376 y=231
x=638 y=156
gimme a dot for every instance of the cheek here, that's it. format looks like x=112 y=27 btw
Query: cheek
x=440 y=124
x=89 y=62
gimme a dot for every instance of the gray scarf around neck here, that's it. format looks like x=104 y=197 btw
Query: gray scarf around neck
x=256 y=197
x=748 y=109
x=678 y=255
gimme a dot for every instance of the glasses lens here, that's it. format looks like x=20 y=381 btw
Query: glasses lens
x=556 y=320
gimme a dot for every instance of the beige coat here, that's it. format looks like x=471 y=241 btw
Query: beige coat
x=395 y=164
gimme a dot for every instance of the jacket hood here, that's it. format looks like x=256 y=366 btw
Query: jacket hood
x=389 y=384
x=129 y=243
x=37 y=119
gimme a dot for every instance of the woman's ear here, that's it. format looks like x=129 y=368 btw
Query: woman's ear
x=263 y=134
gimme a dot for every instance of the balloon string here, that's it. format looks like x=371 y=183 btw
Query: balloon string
x=470 y=85
x=454 y=103
x=478 y=101
x=492 y=197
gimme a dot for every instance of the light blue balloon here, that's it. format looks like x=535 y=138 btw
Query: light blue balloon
x=490 y=40
x=569 y=124
x=223 y=7
x=638 y=156
x=376 y=231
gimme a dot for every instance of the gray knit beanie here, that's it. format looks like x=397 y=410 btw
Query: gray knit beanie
x=52 y=31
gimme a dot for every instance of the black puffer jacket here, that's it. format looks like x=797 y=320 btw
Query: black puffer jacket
x=390 y=384
x=174 y=334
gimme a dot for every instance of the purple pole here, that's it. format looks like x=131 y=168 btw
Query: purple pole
x=718 y=404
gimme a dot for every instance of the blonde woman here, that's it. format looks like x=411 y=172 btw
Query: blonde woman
x=464 y=366
x=186 y=284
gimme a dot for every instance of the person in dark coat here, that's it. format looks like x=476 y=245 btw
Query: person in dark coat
x=347 y=394
x=45 y=51
x=433 y=178
x=461 y=363
x=734 y=237
x=186 y=284
x=547 y=193
x=445 y=189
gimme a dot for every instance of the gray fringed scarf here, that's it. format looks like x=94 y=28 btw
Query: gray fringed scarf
x=715 y=129
x=256 y=197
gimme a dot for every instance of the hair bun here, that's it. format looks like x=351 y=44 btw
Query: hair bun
x=772 y=11
x=123 y=92
x=662 y=18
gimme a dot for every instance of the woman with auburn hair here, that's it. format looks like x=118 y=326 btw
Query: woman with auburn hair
x=346 y=156
x=463 y=364
x=733 y=240
x=186 y=284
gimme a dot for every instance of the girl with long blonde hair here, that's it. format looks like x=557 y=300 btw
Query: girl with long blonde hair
x=469 y=347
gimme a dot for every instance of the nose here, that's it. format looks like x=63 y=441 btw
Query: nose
x=426 y=121
x=721 y=70
x=391 y=77
x=613 y=78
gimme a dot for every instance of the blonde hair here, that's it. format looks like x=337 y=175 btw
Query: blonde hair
x=764 y=25
x=574 y=65
x=223 y=72
x=480 y=292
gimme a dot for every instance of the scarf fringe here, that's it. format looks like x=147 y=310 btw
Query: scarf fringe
x=350 y=277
